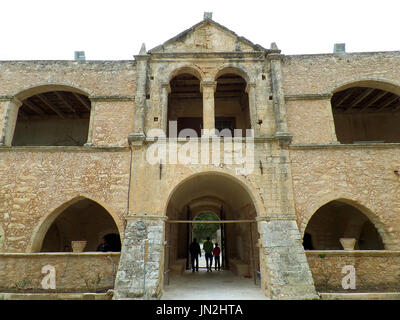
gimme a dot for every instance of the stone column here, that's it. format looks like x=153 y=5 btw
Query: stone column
x=141 y=266
x=89 y=141
x=284 y=269
x=208 y=89
x=165 y=90
x=251 y=91
x=138 y=134
x=9 y=106
x=282 y=132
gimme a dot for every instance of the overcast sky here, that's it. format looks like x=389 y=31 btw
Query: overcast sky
x=115 y=29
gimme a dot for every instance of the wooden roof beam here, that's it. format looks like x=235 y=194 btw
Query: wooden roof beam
x=372 y=101
x=388 y=102
x=65 y=102
x=83 y=101
x=360 y=98
x=48 y=104
x=344 y=97
x=33 y=107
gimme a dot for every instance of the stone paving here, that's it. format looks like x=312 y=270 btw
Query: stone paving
x=217 y=285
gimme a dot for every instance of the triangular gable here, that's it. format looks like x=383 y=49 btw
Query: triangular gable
x=207 y=36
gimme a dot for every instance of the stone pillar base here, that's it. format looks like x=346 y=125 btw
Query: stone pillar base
x=288 y=275
x=140 y=270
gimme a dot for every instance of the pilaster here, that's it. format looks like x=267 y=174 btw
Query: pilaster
x=208 y=89
x=141 y=266
x=140 y=97
x=9 y=106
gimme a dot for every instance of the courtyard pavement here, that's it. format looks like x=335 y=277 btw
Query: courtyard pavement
x=215 y=285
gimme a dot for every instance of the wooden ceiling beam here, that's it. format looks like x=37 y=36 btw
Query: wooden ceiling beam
x=372 y=101
x=48 y=104
x=388 y=102
x=360 y=98
x=33 y=107
x=65 y=102
x=83 y=101
x=344 y=97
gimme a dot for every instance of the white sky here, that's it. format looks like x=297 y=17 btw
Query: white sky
x=115 y=29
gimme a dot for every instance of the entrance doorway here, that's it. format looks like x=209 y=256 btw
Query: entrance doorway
x=222 y=205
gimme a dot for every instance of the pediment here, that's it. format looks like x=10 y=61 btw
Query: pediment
x=207 y=36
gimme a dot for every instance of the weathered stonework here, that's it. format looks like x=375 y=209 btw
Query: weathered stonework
x=139 y=274
x=298 y=164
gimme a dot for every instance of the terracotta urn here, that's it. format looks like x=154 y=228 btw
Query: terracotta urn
x=78 y=246
x=348 y=243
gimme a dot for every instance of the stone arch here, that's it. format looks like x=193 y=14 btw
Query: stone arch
x=42 y=87
x=366 y=109
x=50 y=114
x=185 y=101
x=369 y=82
x=232 y=68
x=187 y=68
x=369 y=214
x=47 y=221
x=251 y=191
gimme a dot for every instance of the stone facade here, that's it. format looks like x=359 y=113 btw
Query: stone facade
x=298 y=164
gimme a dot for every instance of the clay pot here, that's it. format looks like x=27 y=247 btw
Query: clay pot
x=78 y=246
x=348 y=243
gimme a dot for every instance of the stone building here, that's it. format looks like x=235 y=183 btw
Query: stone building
x=76 y=136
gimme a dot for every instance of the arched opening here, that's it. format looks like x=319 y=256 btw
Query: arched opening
x=185 y=104
x=52 y=118
x=366 y=114
x=202 y=231
x=336 y=220
x=226 y=198
x=231 y=103
x=82 y=220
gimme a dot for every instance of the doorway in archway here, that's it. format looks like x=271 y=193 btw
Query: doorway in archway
x=205 y=199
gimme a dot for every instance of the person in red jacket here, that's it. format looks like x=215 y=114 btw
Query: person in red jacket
x=216 y=253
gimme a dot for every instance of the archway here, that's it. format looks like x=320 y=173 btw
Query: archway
x=202 y=231
x=338 y=219
x=225 y=197
x=231 y=103
x=185 y=104
x=366 y=112
x=52 y=116
x=81 y=220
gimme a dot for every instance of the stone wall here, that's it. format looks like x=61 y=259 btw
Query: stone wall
x=361 y=176
x=375 y=270
x=38 y=183
x=75 y=272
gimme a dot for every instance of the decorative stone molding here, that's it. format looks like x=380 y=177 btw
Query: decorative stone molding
x=208 y=84
x=112 y=98
x=136 y=139
x=321 y=96
x=284 y=138
x=146 y=216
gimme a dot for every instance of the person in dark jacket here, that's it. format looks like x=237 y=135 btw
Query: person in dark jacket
x=194 y=254
x=216 y=253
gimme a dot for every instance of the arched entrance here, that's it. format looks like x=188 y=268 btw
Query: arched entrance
x=228 y=199
x=52 y=115
x=366 y=112
x=338 y=219
x=81 y=220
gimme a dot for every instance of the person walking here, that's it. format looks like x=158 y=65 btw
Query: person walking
x=195 y=251
x=208 y=248
x=216 y=253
